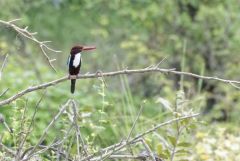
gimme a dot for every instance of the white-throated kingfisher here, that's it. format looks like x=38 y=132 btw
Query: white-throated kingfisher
x=74 y=62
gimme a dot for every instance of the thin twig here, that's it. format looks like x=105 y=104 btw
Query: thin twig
x=133 y=126
x=235 y=86
x=47 y=57
x=62 y=153
x=107 y=155
x=123 y=157
x=31 y=36
x=11 y=21
x=3 y=121
x=3 y=65
x=4 y=92
x=150 y=153
x=53 y=144
x=67 y=134
x=108 y=74
x=134 y=123
x=156 y=66
x=165 y=143
x=78 y=132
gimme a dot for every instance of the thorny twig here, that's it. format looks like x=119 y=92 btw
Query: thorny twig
x=31 y=35
x=108 y=74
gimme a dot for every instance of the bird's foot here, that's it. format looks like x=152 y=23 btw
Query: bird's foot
x=72 y=77
x=99 y=73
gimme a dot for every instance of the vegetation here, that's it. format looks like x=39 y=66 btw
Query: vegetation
x=193 y=36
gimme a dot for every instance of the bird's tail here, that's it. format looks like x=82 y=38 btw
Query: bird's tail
x=73 y=82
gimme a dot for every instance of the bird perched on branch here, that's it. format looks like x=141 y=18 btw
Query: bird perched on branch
x=74 y=62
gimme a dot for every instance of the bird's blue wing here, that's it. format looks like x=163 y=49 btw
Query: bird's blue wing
x=68 y=61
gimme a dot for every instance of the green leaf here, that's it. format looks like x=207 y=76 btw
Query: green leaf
x=159 y=149
x=182 y=151
x=103 y=121
x=163 y=155
x=172 y=140
x=185 y=122
x=192 y=126
x=166 y=153
x=184 y=144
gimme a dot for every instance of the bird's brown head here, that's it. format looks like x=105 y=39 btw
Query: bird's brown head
x=79 y=48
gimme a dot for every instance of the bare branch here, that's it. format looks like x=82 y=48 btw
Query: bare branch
x=108 y=74
x=30 y=89
x=149 y=151
x=126 y=156
x=2 y=121
x=47 y=57
x=163 y=124
x=11 y=21
x=235 y=86
x=156 y=66
x=31 y=35
x=134 y=123
x=78 y=132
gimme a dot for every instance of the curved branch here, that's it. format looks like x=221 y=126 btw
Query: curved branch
x=108 y=74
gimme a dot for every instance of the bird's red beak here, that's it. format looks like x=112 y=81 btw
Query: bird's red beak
x=88 y=48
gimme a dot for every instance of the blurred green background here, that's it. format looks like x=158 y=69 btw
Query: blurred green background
x=195 y=36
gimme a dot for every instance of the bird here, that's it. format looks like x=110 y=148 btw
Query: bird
x=75 y=61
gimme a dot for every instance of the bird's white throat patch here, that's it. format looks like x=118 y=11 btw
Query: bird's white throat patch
x=77 y=60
